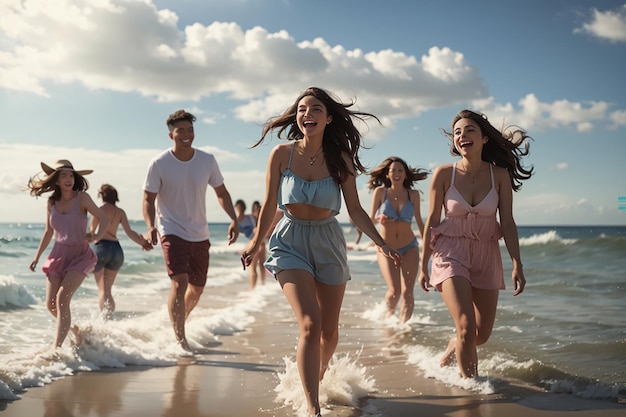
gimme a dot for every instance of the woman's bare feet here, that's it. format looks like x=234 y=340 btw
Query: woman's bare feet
x=76 y=339
x=448 y=355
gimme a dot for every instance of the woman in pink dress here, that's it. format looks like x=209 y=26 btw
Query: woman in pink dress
x=466 y=261
x=71 y=258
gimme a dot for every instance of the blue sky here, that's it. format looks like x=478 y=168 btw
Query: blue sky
x=93 y=81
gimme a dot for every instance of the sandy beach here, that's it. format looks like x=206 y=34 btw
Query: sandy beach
x=237 y=377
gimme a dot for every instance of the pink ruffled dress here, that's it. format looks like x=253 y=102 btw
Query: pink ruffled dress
x=71 y=251
x=465 y=243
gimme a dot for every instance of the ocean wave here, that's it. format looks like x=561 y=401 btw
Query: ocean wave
x=545 y=238
x=13 y=294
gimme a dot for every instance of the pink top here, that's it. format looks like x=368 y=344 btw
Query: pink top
x=464 y=220
x=69 y=228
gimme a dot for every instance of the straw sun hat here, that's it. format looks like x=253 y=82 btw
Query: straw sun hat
x=63 y=164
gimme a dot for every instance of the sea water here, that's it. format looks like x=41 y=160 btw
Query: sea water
x=565 y=333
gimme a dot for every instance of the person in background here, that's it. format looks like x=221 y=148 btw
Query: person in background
x=247 y=224
x=466 y=261
x=394 y=205
x=174 y=208
x=307 y=249
x=108 y=249
x=71 y=257
x=261 y=254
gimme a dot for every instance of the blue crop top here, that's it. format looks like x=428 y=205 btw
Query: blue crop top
x=406 y=214
x=322 y=193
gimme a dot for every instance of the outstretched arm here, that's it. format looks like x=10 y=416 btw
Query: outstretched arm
x=45 y=239
x=91 y=207
x=269 y=215
x=134 y=236
x=437 y=191
x=362 y=220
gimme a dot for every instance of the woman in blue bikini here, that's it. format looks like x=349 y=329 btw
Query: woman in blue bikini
x=394 y=205
x=307 y=249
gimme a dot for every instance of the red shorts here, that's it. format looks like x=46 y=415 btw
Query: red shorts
x=184 y=257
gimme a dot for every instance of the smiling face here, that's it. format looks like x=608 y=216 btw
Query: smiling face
x=468 y=137
x=66 y=180
x=182 y=134
x=396 y=173
x=312 y=116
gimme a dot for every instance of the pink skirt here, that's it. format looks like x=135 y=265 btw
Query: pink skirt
x=69 y=257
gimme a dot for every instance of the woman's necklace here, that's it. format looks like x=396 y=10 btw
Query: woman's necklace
x=472 y=176
x=313 y=158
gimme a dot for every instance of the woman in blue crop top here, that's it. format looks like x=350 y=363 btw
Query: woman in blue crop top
x=394 y=205
x=307 y=250
x=466 y=260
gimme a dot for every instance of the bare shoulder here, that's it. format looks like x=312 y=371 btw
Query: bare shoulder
x=415 y=194
x=500 y=173
x=443 y=171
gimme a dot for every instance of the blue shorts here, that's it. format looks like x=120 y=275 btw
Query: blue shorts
x=110 y=255
x=316 y=246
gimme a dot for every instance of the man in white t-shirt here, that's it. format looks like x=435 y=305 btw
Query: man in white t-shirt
x=174 y=207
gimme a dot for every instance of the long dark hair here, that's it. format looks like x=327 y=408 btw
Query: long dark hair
x=505 y=147
x=39 y=185
x=378 y=175
x=340 y=136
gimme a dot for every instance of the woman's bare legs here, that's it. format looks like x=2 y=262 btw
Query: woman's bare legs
x=473 y=312
x=105 y=278
x=330 y=298
x=59 y=293
x=400 y=281
x=409 y=269
x=391 y=274
x=318 y=319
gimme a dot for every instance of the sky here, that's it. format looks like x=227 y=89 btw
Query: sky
x=93 y=81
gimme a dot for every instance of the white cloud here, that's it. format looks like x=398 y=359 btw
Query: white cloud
x=533 y=114
x=618 y=118
x=560 y=166
x=609 y=25
x=132 y=46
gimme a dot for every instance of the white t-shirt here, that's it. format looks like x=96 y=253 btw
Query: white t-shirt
x=181 y=193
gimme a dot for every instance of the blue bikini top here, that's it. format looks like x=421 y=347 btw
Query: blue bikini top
x=322 y=193
x=406 y=214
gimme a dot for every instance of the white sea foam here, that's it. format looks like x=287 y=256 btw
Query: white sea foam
x=14 y=294
x=344 y=383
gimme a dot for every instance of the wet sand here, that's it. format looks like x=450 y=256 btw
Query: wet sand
x=237 y=377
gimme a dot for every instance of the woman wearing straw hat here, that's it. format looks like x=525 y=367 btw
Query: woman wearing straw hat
x=71 y=258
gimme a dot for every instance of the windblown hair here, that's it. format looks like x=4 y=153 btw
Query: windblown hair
x=340 y=136
x=505 y=147
x=108 y=193
x=378 y=175
x=178 y=116
x=41 y=185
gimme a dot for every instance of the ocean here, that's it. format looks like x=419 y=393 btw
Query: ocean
x=565 y=333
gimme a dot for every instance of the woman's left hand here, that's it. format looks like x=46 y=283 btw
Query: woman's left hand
x=519 y=282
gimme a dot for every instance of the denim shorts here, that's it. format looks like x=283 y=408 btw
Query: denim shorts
x=110 y=255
